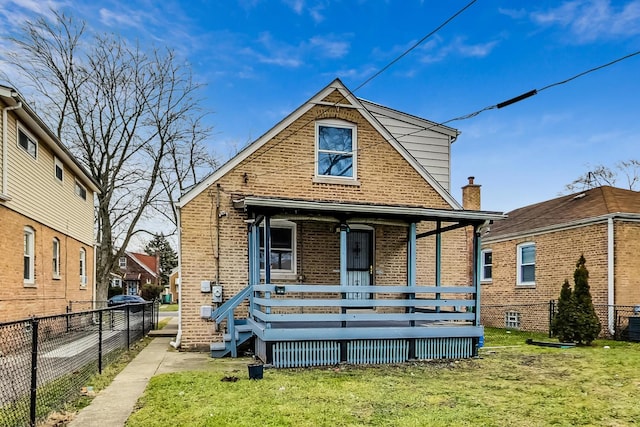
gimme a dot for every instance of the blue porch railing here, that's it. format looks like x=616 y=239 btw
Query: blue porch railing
x=227 y=311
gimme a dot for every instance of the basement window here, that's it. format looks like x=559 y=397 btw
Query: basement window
x=512 y=320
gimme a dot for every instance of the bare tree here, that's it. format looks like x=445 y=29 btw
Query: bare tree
x=629 y=170
x=131 y=116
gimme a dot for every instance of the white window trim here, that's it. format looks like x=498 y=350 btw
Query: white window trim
x=24 y=130
x=285 y=274
x=519 y=264
x=75 y=187
x=83 y=267
x=122 y=264
x=328 y=179
x=58 y=164
x=483 y=265
x=56 y=257
x=30 y=234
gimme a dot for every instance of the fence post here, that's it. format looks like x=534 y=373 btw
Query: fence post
x=552 y=310
x=100 y=342
x=34 y=371
x=67 y=316
x=144 y=309
x=128 y=328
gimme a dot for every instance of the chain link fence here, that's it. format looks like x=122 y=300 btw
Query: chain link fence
x=46 y=362
x=513 y=324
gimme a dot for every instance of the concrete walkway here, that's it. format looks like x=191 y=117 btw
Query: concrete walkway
x=113 y=405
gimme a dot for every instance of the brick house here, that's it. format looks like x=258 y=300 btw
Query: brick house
x=46 y=212
x=526 y=257
x=349 y=201
x=138 y=269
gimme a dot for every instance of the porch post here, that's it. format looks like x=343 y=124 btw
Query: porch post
x=476 y=271
x=343 y=261
x=438 y=259
x=411 y=266
x=267 y=250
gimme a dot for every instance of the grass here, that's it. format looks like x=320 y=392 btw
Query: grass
x=510 y=385
x=169 y=307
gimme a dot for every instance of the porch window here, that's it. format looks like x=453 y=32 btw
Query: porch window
x=526 y=264
x=335 y=149
x=487 y=265
x=283 y=238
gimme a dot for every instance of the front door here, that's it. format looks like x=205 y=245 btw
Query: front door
x=359 y=261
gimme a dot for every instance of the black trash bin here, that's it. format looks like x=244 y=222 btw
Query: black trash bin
x=255 y=372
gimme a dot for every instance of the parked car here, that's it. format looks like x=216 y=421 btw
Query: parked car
x=127 y=299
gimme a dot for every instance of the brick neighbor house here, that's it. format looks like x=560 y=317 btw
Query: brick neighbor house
x=526 y=257
x=349 y=201
x=46 y=212
x=136 y=270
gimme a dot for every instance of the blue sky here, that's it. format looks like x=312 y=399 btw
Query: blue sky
x=260 y=59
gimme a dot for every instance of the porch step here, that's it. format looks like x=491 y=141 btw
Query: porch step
x=243 y=332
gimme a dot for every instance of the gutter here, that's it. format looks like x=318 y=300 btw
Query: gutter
x=176 y=342
x=5 y=147
x=610 y=274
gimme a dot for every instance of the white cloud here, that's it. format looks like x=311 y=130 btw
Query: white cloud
x=330 y=46
x=434 y=52
x=590 y=20
x=513 y=13
x=296 y=5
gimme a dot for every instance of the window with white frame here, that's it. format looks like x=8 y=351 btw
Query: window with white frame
x=336 y=149
x=55 y=267
x=58 y=169
x=83 y=267
x=526 y=264
x=512 y=320
x=122 y=262
x=27 y=142
x=81 y=191
x=29 y=256
x=283 y=247
x=486 y=272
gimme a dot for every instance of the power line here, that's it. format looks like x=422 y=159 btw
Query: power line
x=415 y=45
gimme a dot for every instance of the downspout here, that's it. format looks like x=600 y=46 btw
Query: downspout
x=610 y=274
x=5 y=146
x=176 y=342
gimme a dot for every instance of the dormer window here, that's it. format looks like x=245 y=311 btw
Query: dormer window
x=336 y=149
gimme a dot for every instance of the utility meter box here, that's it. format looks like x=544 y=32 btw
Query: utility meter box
x=205 y=311
x=216 y=294
x=205 y=286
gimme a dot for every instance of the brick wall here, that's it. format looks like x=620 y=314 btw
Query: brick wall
x=627 y=265
x=48 y=295
x=284 y=167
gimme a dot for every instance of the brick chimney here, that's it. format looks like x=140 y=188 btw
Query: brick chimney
x=471 y=195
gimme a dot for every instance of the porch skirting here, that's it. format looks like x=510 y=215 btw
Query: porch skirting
x=294 y=354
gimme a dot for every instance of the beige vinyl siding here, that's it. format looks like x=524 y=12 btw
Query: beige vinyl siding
x=36 y=192
x=430 y=148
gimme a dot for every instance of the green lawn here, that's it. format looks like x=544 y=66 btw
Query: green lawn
x=507 y=386
x=169 y=307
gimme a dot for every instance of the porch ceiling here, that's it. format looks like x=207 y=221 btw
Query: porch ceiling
x=339 y=210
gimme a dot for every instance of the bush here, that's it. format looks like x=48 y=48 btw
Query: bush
x=151 y=292
x=114 y=290
x=576 y=320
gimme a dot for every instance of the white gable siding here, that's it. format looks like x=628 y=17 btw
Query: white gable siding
x=37 y=194
x=430 y=148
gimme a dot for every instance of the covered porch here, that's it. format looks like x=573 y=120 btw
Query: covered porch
x=355 y=312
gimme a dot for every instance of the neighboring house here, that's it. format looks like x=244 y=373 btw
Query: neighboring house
x=174 y=285
x=137 y=270
x=367 y=248
x=46 y=217
x=526 y=257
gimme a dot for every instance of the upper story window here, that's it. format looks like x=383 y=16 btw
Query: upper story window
x=283 y=244
x=81 y=191
x=486 y=272
x=58 y=169
x=29 y=256
x=56 y=258
x=526 y=264
x=27 y=142
x=83 y=267
x=336 y=149
x=122 y=262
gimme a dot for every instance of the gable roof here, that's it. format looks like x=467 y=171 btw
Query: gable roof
x=37 y=126
x=571 y=210
x=349 y=101
x=148 y=262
